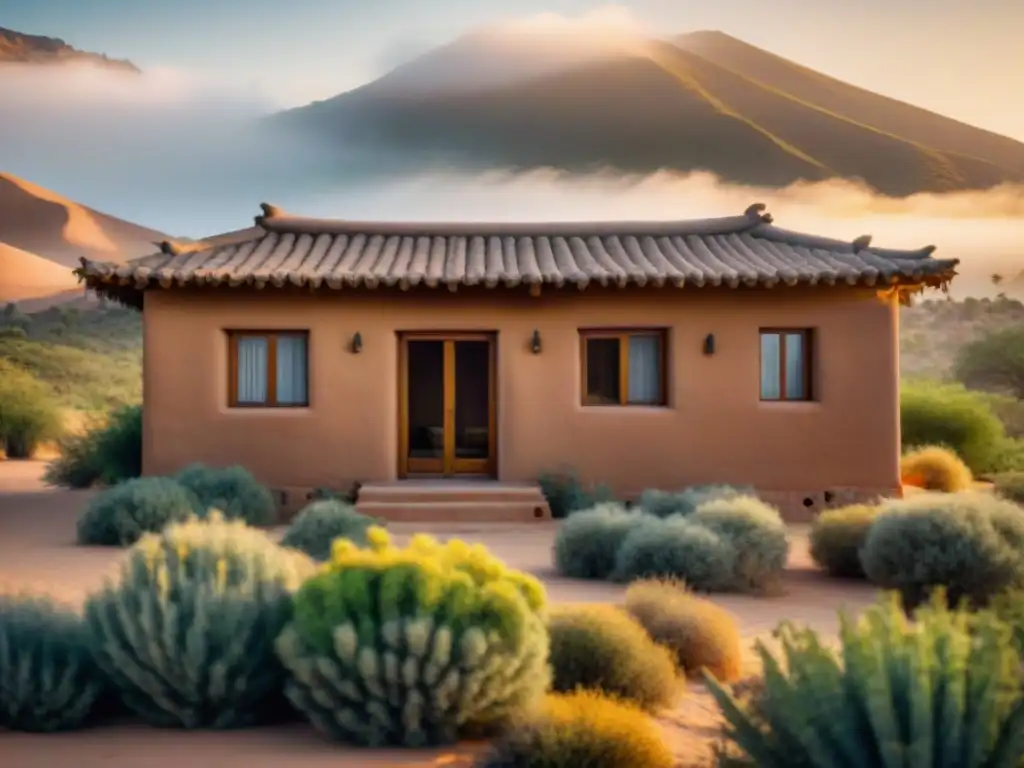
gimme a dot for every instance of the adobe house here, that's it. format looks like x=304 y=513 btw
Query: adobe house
x=641 y=354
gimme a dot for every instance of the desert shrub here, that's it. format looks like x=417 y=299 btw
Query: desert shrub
x=1010 y=485
x=320 y=523
x=186 y=631
x=685 y=502
x=837 y=536
x=1009 y=608
x=700 y=634
x=415 y=646
x=935 y=468
x=972 y=544
x=565 y=493
x=757 y=535
x=581 y=730
x=676 y=548
x=120 y=515
x=897 y=694
x=602 y=648
x=29 y=413
x=587 y=541
x=951 y=416
x=231 y=490
x=48 y=679
x=108 y=452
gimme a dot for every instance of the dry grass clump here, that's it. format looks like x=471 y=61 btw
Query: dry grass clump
x=581 y=730
x=601 y=648
x=700 y=634
x=935 y=468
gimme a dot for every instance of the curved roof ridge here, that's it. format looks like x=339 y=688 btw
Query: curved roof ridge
x=274 y=219
x=791 y=237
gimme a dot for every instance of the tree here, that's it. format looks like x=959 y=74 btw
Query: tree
x=994 y=361
x=14 y=317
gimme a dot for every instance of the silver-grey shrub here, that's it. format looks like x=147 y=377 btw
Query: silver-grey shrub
x=186 y=631
x=231 y=490
x=971 y=543
x=686 y=501
x=319 y=523
x=676 y=548
x=757 y=535
x=48 y=679
x=587 y=541
x=119 y=515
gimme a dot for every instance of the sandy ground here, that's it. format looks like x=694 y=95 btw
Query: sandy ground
x=37 y=554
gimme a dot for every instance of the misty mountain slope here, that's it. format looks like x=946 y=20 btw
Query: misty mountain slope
x=863 y=106
x=659 y=107
x=42 y=222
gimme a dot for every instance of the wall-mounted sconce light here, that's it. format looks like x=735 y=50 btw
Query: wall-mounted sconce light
x=357 y=343
x=535 y=342
x=709 y=344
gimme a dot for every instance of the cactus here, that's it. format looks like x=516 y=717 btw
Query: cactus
x=415 y=646
x=48 y=679
x=186 y=631
x=920 y=694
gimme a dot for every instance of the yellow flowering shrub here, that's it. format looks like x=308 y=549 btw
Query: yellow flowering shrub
x=415 y=645
x=185 y=630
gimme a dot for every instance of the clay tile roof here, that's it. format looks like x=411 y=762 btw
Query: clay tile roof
x=746 y=250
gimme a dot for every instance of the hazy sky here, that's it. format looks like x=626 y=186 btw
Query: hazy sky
x=962 y=58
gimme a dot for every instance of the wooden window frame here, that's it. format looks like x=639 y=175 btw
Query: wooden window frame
x=623 y=335
x=807 y=340
x=271 y=337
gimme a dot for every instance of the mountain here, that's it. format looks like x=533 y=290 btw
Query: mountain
x=44 y=223
x=27 y=276
x=695 y=103
x=20 y=48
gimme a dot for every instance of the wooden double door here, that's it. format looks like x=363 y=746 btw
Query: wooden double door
x=447 y=404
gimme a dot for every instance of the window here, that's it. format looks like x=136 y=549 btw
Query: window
x=623 y=367
x=268 y=369
x=786 y=365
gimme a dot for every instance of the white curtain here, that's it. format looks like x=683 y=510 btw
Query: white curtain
x=644 y=370
x=291 y=370
x=795 y=367
x=252 y=369
x=771 y=366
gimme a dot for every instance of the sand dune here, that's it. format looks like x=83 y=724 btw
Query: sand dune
x=42 y=222
x=25 y=276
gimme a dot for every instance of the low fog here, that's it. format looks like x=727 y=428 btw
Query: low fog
x=191 y=159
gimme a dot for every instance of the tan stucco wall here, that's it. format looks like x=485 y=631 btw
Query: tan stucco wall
x=714 y=430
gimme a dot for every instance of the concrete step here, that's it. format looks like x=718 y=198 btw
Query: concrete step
x=441 y=492
x=472 y=511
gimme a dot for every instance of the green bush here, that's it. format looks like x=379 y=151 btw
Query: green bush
x=837 y=536
x=321 y=522
x=675 y=548
x=902 y=694
x=186 y=631
x=565 y=494
x=757 y=535
x=416 y=646
x=48 y=679
x=120 y=515
x=994 y=360
x=29 y=413
x=699 y=634
x=108 y=452
x=685 y=502
x=951 y=416
x=1009 y=608
x=601 y=648
x=231 y=490
x=1010 y=485
x=587 y=541
x=972 y=544
x=935 y=468
x=581 y=730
